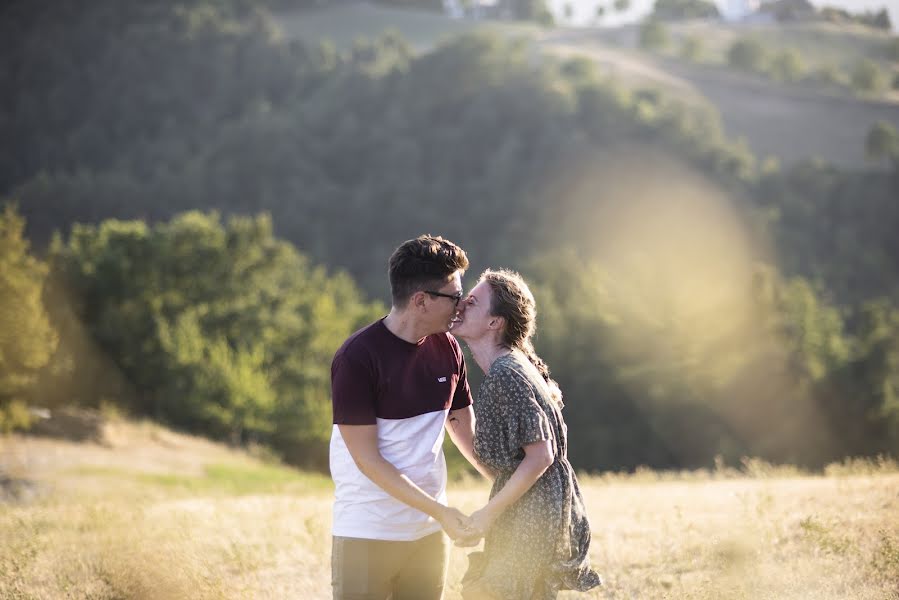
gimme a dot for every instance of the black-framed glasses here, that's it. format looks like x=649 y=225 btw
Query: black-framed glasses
x=454 y=297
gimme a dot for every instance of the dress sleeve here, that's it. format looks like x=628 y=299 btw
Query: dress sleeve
x=526 y=421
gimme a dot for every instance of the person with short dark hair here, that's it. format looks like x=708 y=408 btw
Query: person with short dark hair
x=537 y=536
x=397 y=385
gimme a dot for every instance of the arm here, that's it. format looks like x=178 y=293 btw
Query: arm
x=538 y=456
x=460 y=426
x=362 y=443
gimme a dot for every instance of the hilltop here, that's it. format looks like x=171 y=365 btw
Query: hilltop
x=788 y=122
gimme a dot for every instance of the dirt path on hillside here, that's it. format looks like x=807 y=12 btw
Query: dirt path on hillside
x=787 y=123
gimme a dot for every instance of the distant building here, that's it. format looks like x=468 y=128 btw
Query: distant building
x=473 y=9
x=453 y=9
x=737 y=10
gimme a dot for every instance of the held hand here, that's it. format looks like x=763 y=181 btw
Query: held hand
x=480 y=521
x=468 y=542
x=478 y=524
x=454 y=523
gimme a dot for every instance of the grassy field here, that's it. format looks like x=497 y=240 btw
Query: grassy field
x=147 y=513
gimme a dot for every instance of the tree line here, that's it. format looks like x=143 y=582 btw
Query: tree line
x=129 y=117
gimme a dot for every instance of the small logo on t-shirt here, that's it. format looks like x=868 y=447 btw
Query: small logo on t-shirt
x=441 y=380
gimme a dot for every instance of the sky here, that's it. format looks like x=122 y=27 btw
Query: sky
x=585 y=9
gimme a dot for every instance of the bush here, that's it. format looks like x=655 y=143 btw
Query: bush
x=692 y=49
x=882 y=142
x=684 y=9
x=545 y=18
x=27 y=339
x=866 y=76
x=892 y=48
x=653 y=35
x=747 y=54
x=828 y=75
x=787 y=65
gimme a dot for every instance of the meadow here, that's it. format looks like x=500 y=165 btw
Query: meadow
x=690 y=303
x=146 y=513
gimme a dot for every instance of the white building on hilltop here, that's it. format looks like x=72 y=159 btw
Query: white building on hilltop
x=471 y=9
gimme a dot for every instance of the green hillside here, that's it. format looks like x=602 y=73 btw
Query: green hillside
x=210 y=207
x=344 y=24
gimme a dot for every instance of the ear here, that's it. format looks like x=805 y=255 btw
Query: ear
x=417 y=300
x=496 y=323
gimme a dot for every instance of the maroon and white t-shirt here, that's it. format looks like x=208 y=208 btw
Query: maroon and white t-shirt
x=407 y=390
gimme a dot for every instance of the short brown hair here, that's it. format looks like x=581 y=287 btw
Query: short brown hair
x=421 y=263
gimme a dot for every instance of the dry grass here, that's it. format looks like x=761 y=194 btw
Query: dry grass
x=152 y=514
x=809 y=537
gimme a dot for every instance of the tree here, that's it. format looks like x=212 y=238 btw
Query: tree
x=876 y=369
x=221 y=329
x=622 y=5
x=684 y=9
x=27 y=340
x=692 y=48
x=653 y=35
x=878 y=20
x=787 y=65
x=828 y=74
x=882 y=143
x=866 y=76
x=208 y=321
x=892 y=49
x=881 y=20
x=533 y=10
x=747 y=54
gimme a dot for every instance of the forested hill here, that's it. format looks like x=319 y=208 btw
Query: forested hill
x=673 y=271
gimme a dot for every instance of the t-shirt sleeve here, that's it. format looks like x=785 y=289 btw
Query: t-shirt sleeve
x=462 y=396
x=352 y=390
x=526 y=421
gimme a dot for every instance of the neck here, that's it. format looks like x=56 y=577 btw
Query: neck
x=485 y=351
x=402 y=325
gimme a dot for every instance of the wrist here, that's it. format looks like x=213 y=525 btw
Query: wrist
x=439 y=512
x=490 y=513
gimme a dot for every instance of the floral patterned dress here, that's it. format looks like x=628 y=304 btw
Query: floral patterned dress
x=539 y=544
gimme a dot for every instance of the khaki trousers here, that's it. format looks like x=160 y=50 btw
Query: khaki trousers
x=378 y=569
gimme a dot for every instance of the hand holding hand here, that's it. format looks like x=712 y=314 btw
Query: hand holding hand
x=467 y=542
x=478 y=524
x=455 y=523
x=480 y=521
